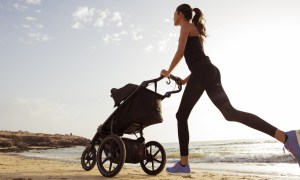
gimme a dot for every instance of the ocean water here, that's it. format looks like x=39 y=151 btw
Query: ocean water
x=238 y=156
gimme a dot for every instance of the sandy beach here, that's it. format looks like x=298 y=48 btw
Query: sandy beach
x=16 y=167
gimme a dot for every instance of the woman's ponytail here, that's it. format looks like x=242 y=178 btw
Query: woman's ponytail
x=198 y=21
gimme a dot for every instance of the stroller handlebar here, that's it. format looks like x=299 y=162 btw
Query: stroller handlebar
x=179 y=85
x=171 y=77
x=176 y=79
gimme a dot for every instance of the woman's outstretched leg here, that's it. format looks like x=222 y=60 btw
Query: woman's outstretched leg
x=251 y=120
x=218 y=96
x=216 y=93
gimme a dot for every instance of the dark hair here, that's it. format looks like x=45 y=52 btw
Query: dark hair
x=198 y=19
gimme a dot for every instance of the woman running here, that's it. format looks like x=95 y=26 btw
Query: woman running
x=206 y=77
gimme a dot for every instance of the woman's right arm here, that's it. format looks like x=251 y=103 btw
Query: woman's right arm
x=184 y=32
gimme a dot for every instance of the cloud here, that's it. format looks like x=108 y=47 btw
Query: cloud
x=35 y=34
x=33 y=2
x=26 y=26
x=134 y=31
x=29 y=18
x=136 y=37
x=20 y=7
x=83 y=14
x=39 y=36
x=25 y=41
x=117 y=18
x=124 y=32
x=100 y=20
x=106 y=21
x=164 y=42
x=114 y=38
x=34 y=31
x=149 y=48
x=119 y=24
x=77 y=25
x=40 y=26
x=167 y=20
x=173 y=35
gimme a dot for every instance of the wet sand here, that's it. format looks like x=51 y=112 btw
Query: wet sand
x=16 y=167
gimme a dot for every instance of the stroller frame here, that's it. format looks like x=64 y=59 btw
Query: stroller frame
x=113 y=150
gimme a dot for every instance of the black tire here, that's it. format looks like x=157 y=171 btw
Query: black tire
x=88 y=158
x=156 y=158
x=111 y=156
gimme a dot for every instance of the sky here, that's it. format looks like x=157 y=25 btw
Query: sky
x=60 y=59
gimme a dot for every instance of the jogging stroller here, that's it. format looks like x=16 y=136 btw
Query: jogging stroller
x=137 y=108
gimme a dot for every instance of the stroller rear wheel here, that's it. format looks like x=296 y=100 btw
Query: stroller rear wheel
x=156 y=158
x=111 y=156
x=88 y=158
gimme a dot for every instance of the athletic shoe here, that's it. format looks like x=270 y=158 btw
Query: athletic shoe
x=179 y=170
x=292 y=144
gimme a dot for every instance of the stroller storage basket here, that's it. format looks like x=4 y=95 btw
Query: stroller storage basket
x=141 y=110
x=135 y=150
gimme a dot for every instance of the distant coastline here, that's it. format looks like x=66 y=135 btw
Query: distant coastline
x=19 y=141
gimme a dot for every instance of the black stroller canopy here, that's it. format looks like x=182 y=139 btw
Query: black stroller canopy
x=121 y=94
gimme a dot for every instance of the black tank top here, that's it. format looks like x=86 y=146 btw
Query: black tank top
x=194 y=54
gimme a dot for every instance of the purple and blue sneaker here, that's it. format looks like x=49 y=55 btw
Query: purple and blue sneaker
x=179 y=170
x=292 y=144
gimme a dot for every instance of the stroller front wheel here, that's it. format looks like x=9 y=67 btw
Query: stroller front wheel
x=111 y=156
x=156 y=158
x=88 y=158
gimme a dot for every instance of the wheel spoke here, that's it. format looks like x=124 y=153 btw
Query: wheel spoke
x=87 y=162
x=110 y=165
x=104 y=160
x=146 y=163
x=109 y=156
x=91 y=155
x=156 y=153
x=152 y=166
x=110 y=142
x=116 y=150
x=157 y=160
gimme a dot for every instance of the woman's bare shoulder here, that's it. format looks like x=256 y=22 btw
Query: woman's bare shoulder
x=193 y=31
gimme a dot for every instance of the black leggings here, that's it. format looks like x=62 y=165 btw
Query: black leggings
x=207 y=77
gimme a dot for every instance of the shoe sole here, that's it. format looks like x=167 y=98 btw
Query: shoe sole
x=180 y=174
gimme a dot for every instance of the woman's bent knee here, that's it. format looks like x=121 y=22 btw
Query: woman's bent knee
x=229 y=112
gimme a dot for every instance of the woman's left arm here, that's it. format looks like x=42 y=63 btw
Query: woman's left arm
x=186 y=80
x=179 y=53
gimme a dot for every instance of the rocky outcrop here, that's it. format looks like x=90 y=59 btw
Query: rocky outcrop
x=23 y=141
